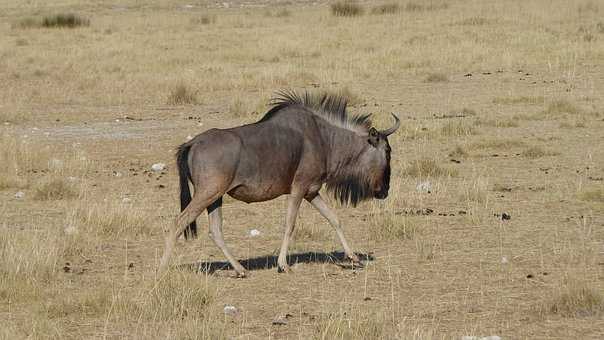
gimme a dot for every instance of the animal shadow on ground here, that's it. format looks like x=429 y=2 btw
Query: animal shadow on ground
x=270 y=261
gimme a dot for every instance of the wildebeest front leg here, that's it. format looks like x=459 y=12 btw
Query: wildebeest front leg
x=215 y=218
x=322 y=207
x=293 y=204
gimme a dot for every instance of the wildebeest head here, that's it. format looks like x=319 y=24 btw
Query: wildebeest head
x=376 y=160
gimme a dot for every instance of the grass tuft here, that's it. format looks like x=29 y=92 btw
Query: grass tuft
x=204 y=19
x=458 y=128
x=388 y=226
x=388 y=8
x=595 y=195
x=537 y=152
x=474 y=21
x=54 y=189
x=561 y=106
x=181 y=94
x=497 y=123
x=575 y=300
x=110 y=219
x=64 y=20
x=346 y=9
x=436 y=78
x=416 y=6
x=458 y=152
x=422 y=168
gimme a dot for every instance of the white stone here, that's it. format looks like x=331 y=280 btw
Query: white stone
x=19 y=194
x=158 y=167
x=70 y=230
x=189 y=137
x=424 y=187
x=504 y=259
x=254 y=232
x=231 y=310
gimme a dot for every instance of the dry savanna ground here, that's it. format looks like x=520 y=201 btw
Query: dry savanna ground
x=495 y=220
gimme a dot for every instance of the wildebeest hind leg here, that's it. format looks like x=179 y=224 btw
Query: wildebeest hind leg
x=197 y=205
x=324 y=209
x=215 y=218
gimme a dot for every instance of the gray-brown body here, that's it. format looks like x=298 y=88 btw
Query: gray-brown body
x=299 y=145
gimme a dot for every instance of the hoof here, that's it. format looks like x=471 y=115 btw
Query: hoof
x=284 y=269
x=240 y=275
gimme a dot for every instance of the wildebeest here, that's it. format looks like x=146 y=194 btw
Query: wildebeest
x=304 y=141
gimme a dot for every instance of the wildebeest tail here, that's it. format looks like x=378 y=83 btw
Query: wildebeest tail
x=182 y=162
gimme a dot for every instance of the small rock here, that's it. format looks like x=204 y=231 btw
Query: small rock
x=19 y=195
x=254 y=232
x=504 y=259
x=55 y=163
x=189 y=137
x=158 y=167
x=506 y=216
x=126 y=200
x=72 y=179
x=281 y=319
x=424 y=187
x=70 y=230
x=231 y=310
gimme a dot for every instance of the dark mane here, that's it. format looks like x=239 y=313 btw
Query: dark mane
x=330 y=106
x=350 y=189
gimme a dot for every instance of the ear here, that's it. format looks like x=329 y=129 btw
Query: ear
x=374 y=137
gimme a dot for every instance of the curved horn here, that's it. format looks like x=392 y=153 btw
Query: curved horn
x=397 y=124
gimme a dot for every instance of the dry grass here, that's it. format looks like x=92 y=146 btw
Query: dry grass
x=415 y=6
x=29 y=262
x=473 y=21
x=110 y=219
x=524 y=100
x=458 y=152
x=476 y=191
x=359 y=326
x=436 y=77
x=181 y=94
x=388 y=226
x=560 y=107
x=458 y=128
x=346 y=9
x=423 y=168
x=497 y=123
x=593 y=195
x=388 y=8
x=204 y=19
x=55 y=189
x=576 y=299
x=537 y=152
x=61 y=20
x=498 y=144
x=85 y=267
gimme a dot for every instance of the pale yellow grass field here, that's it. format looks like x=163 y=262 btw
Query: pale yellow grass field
x=502 y=113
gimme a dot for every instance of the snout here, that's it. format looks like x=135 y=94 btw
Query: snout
x=381 y=194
